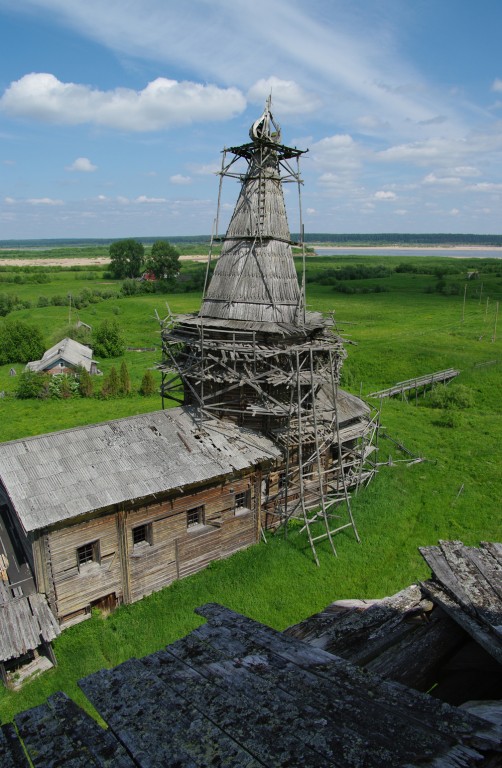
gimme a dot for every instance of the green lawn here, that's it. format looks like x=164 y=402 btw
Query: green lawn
x=453 y=494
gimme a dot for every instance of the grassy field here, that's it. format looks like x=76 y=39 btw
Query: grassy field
x=407 y=329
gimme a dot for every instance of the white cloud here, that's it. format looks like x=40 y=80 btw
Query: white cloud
x=454 y=212
x=161 y=104
x=144 y=199
x=485 y=186
x=82 y=164
x=179 y=179
x=446 y=181
x=497 y=85
x=287 y=96
x=44 y=201
x=9 y=200
x=382 y=195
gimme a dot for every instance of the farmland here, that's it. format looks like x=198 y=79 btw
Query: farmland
x=402 y=317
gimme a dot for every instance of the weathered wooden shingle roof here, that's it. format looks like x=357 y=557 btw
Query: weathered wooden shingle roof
x=54 y=477
x=236 y=693
x=67 y=350
x=452 y=622
x=25 y=623
x=255 y=278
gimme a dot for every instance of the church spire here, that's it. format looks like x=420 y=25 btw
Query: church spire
x=255 y=278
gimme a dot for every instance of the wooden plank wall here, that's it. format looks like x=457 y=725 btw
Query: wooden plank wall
x=173 y=551
x=77 y=588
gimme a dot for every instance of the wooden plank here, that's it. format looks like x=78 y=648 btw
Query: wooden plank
x=437 y=719
x=159 y=726
x=480 y=632
x=475 y=582
x=11 y=750
x=60 y=733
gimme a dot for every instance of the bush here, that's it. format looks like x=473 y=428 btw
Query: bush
x=456 y=396
x=111 y=384
x=147 y=386
x=124 y=379
x=63 y=386
x=31 y=384
x=108 y=340
x=86 y=384
x=20 y=342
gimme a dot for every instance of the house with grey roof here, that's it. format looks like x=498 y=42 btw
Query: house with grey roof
x=65 y=357
x=111 y=512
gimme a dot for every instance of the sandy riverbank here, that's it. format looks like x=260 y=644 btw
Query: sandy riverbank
x=97 y=261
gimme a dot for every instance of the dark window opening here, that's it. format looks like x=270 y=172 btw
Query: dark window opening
x=242 y=499
x=142 y=534
x=195 y=516
x=88 y=553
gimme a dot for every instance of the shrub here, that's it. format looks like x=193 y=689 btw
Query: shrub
x=456 y=396
x=86 y=384
x=111 y=384
x=31 y=384
x=20 y=342
x=108 y=339
x=63 y=386
x=124 y=379
x=147 y=386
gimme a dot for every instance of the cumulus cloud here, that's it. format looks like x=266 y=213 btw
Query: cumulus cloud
x=497 y=85
x=383 y=195
x=179 y=179
x=287 y=96
x=161 y=104
x=82 y=164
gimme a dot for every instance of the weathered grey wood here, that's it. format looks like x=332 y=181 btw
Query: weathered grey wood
x=59 y=733
x=12 y=754
x=481 y=633
x=472 y=577
x=437 y=719
x=158 y=724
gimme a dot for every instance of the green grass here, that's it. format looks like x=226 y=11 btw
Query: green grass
x=453 y=494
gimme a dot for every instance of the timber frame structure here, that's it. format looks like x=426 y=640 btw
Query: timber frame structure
x=255 y=356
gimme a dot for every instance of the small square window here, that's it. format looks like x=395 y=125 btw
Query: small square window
x=142 y=534
x=242 y=499
x=88 y=553
x=195 y=516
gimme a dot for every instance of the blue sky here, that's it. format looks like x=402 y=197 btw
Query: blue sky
x=113 y=114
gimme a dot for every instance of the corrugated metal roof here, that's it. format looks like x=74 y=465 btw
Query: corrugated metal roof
x=120 y=460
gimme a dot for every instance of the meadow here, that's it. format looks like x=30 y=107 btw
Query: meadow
x=422 y=319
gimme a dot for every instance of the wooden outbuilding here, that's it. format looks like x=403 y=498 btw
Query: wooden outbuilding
x=111 y=512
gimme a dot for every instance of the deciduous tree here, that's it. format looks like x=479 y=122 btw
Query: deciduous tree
x=163 y=260
x=126 y=258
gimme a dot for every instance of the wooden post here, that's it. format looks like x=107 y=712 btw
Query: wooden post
x=494 y=337
x=463 y=305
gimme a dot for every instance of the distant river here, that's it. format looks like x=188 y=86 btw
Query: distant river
x=453 y=253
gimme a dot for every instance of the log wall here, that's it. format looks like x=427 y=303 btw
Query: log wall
x=128 y=571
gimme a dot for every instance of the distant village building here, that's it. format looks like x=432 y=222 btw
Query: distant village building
x=65 y=357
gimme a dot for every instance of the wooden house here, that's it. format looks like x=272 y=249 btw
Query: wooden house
x=65 y=357
x=111 y=512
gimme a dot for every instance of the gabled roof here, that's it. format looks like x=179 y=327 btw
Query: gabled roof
x=59 y=476
x=67 y=350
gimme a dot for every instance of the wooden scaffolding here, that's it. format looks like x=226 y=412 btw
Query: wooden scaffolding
x=255 y=356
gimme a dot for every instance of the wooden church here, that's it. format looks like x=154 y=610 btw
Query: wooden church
x=108 y=513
